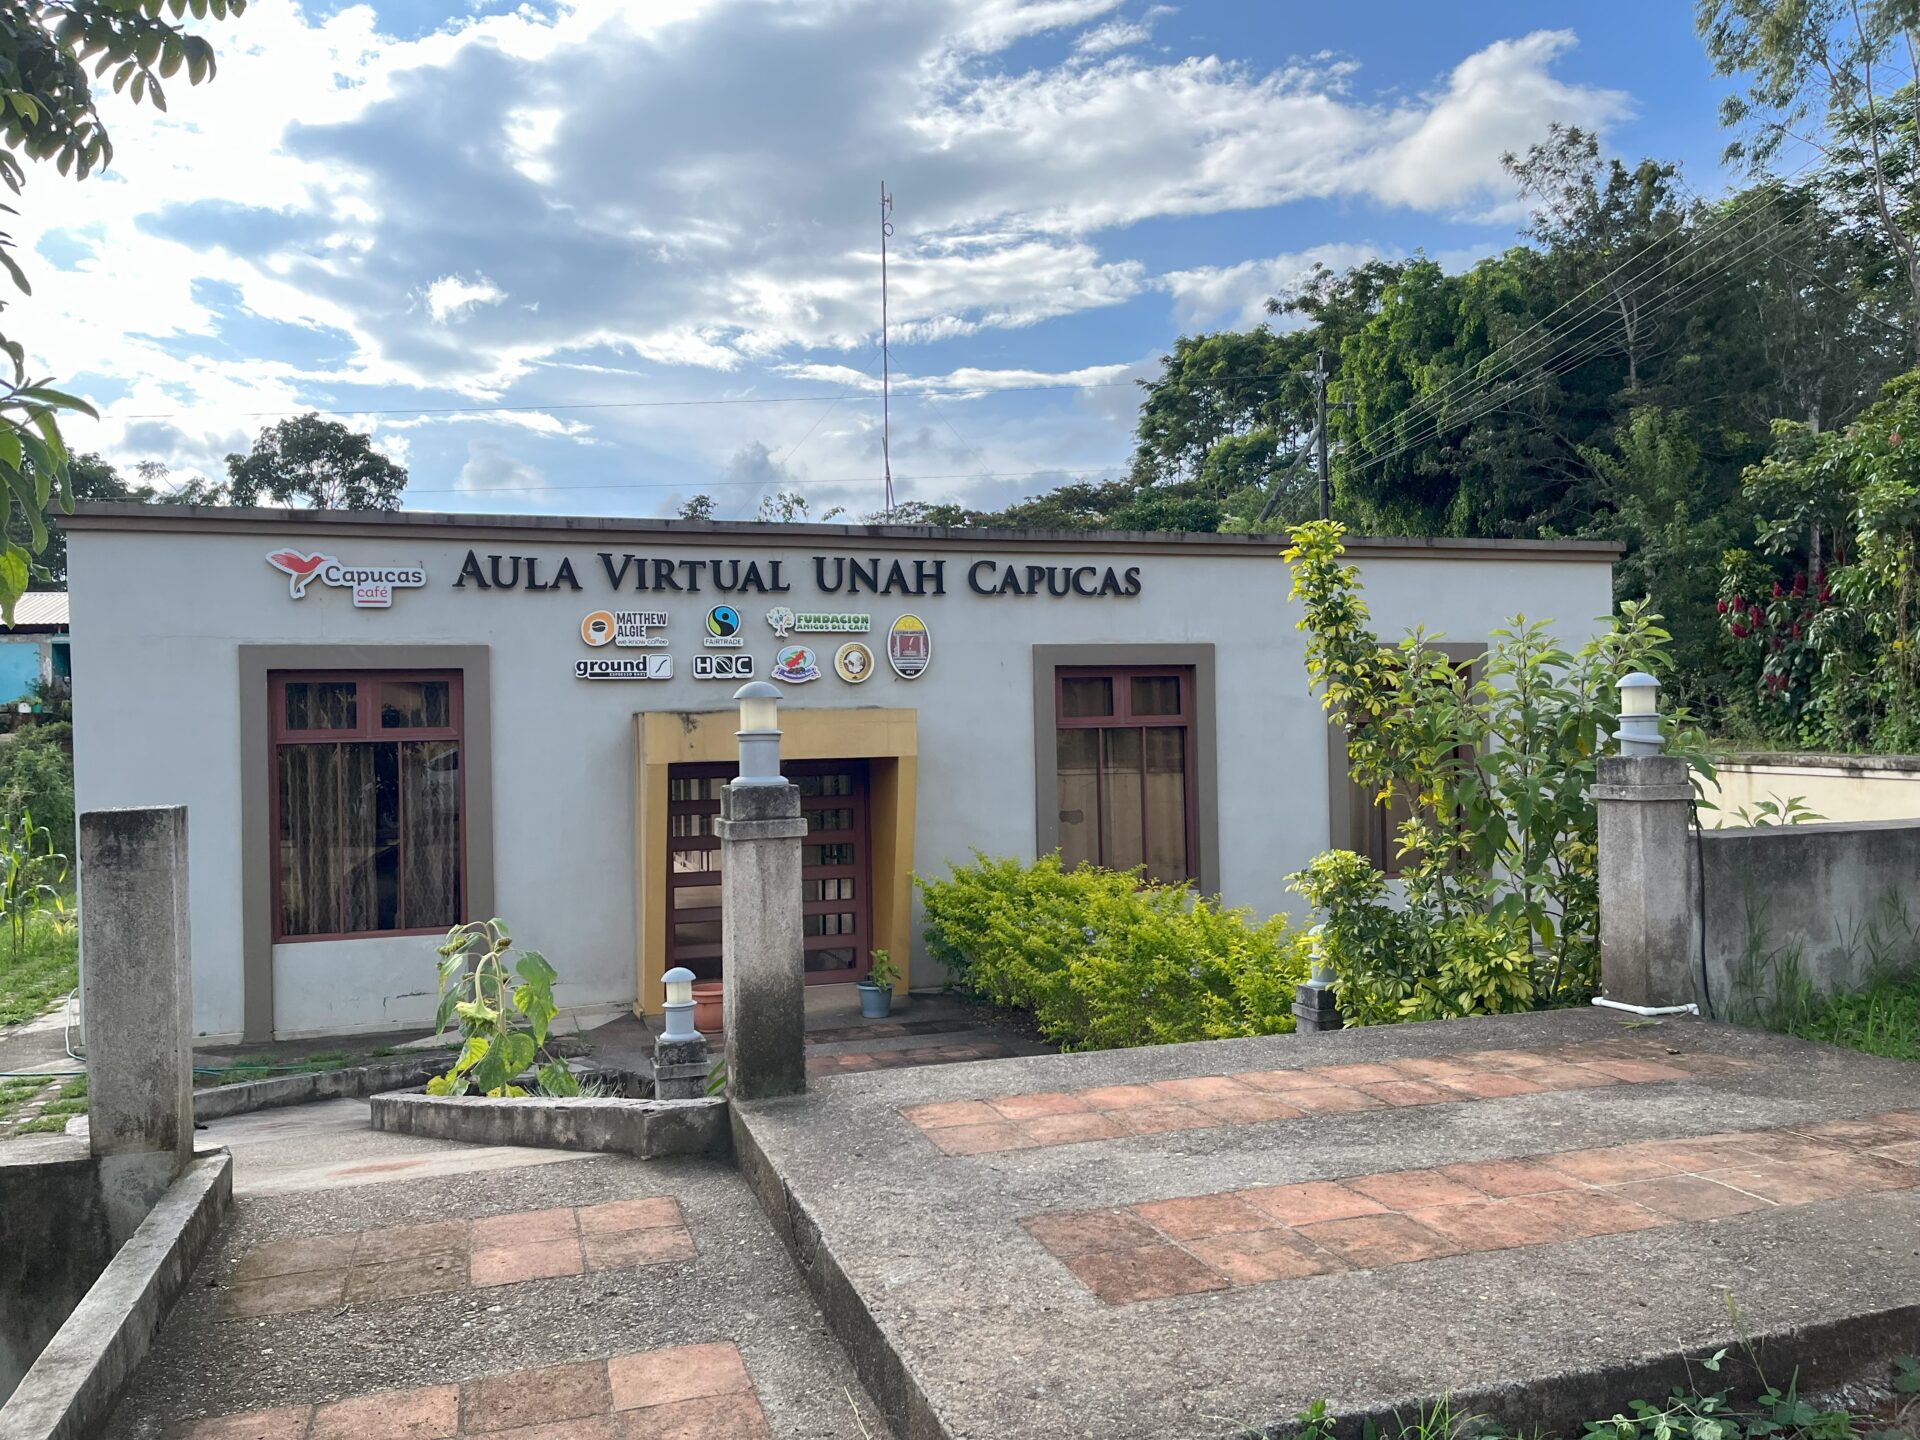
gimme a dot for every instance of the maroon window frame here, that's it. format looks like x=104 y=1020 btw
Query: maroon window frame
x=1124 y=717
x=368 y=726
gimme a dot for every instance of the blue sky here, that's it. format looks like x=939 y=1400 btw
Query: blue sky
x=651 y=227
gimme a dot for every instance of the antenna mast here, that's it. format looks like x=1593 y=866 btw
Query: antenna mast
x=886 y=359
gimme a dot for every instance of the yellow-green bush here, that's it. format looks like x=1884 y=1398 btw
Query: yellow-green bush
x=1103 y=961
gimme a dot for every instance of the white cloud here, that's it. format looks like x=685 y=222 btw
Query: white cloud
x=688 y=185
x=1236 y=296
x=452 y=296
x=490 y=468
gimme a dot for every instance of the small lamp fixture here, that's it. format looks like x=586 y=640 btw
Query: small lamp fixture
x=678 y=1009
x=1639 y=732
x=759 y=734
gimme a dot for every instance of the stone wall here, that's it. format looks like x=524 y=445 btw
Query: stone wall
x=53 y=1245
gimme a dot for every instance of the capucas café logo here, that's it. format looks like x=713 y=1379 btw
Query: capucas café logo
x=372 y=585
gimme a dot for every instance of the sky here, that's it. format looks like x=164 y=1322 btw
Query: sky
x=599 y=258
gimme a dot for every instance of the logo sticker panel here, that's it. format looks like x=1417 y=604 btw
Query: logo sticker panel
x=629 y=629
x=737 y=666
x=372 y=585
x=637 y=667
x=853 y=662
x=723 y=629
x=796 y=665
x=909 y=647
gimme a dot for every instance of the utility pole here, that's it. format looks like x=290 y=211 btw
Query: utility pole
x=1320 y=431
x=886 y=360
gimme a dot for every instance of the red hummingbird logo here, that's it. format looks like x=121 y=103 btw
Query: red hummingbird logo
x=300 y=569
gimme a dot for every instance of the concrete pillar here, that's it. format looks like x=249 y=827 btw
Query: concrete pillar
x=136 y=993
x=762 y=950
x=1648 y=934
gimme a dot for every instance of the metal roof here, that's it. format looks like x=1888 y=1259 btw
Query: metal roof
x=41 y=610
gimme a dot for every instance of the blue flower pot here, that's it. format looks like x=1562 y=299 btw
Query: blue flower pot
x=876 y=1003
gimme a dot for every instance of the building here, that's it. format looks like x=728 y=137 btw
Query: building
x=383 y=724
x=33 y=650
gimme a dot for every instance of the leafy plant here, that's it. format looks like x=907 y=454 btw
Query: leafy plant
x=31 y=872
x=503 y=1024
x=36 y=774
x=1494 y=765
x=883 y=972
x=1773 y=810
x=1102 y=960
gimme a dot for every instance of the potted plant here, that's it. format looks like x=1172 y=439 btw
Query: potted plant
x=876 y=987
x=709 y=1006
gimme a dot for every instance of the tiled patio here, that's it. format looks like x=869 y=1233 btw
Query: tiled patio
x=1254 y=1097
x=370 y=1265
x=689 y=1392
x=1193 y=1244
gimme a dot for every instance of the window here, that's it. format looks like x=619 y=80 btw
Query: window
x=368 y=803
x=1125 y=766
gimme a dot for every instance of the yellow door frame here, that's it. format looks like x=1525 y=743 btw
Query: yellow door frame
x=887 y=739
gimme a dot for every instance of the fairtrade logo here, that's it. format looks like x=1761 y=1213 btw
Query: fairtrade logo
x=372 y=585
x=853 y=662
x=723 y=628
x=796 y=665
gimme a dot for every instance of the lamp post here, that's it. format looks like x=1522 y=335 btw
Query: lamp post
x=1639 y=732
x=762 y=945
x=759 y=734
x=680 y=1054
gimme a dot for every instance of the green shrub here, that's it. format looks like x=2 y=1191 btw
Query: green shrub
x=36 y=774
x=1103 y=961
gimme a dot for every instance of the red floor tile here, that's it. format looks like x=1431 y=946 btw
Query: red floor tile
x=1585 y=1214
x=527 y=1260
x=1256 y=1257
x=1410 y=1092
x=1150 y=1272
x=431 y=1413
x=1120 y=1097
x=1312 y=1200
x=1413 y=1189
x=1504 y=1179
x=1200 y=1087
x=291 y=1257
x=407 y=1242
x=287 y=1423
x=951 y=1113
x=1490 y=1225
x=722 y=1417
x=1072 y=1129
x=1689 y=1197
x=981 y=1139
x=1495 y=1085
x=1334 y=1100
x=647 y=1214
x=688 y=1372
x=1202 y=1215
x=1358 y=1074
x=1158 y=1119
x=1368 y=1241
x=620 y=1249
x=533 y=1397
x=1615 y=1165
x=1077 y=1232
x=1248 y=1108
x=1046 y=1102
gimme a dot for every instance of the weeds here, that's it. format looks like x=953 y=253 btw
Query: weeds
x=1773 y=989
x=44 y=969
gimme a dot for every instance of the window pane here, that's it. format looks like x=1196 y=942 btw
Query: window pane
x=690 y=825
x=1078 y=761
x=1156 y=695
x=1085 y=696
x=416 y=704
x=839 y=888
x=685 y=861
x=322 y=705
x=826 y=855
x=830 y=785
x=309 y=839
x=829 y=820
x=837 y=957
x=1166 y=790
x=837 y=924
x=370 y=837
x=695 y=897
x=430 y=833
x=696 y=932
x=1121 y=844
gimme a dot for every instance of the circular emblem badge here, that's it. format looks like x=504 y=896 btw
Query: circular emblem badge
x=723 y=627
x=909 y=647
x=597 y=628
x=853 y=662
x=796 y=665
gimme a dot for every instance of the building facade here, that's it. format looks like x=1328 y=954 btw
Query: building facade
x=381 y=725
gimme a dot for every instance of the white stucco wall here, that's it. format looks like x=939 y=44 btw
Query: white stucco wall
x=158 y=617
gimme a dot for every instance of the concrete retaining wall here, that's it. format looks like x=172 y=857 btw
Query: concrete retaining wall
x=72 y=1386
x=54 y=1243
x=646 y=1128
x=357 y=1082
x=1835 y=787
x=1821 y=904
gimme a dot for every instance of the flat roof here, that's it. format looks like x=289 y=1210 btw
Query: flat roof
x=211 y=519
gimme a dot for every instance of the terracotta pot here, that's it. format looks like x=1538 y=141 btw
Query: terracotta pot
x=709 y=1017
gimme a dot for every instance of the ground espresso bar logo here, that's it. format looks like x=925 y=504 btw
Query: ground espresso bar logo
x=640 y=667
x=372 y=585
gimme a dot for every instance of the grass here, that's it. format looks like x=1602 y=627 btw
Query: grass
x=45 y=969
x=1882 y=1018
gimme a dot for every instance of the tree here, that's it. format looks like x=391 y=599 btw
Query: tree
x=700 y=507
x=1835 y=73
x=315 y=462
x=47 y=112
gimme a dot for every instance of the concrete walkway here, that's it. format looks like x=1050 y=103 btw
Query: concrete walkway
x=372 y=1287
x=1538 y=1214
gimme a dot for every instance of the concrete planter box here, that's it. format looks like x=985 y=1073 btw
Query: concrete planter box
x=647 y=1128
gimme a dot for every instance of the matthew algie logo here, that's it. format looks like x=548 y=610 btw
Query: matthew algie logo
x=372 y=585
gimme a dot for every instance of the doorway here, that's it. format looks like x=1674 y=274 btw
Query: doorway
x=836 y=885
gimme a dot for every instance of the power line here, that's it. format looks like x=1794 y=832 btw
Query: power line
x=701 y=486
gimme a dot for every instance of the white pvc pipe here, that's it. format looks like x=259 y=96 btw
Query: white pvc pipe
x=1646 y=1009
